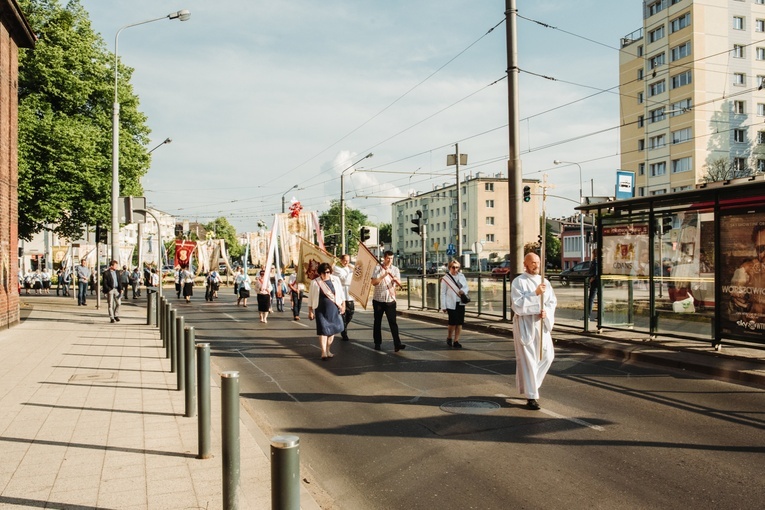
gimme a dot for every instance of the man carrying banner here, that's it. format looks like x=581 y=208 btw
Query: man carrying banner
x=385 y=278
x=344 y=272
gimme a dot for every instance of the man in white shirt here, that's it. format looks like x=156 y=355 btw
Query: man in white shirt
x=345 y=273
x=385 y=278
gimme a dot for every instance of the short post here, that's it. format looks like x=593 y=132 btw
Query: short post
x=203 y=396
x=161 y=321
x=171 y=341
x=230 y=438
x=151 y=310
x=285 y=473
x=166 y=328
x=189 y=372
x=179 y=353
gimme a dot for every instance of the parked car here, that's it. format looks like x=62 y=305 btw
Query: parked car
x=578 y=273
x=501 y=270
x=435 y=268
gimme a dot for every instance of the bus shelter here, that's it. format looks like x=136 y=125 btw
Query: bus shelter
x=688 y=264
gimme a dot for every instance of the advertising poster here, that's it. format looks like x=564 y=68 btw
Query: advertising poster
x=742 y=299
x=625 y=250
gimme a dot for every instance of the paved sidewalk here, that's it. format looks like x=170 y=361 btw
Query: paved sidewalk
x=91 y=419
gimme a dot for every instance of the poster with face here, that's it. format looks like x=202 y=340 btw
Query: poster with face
x=742 y=298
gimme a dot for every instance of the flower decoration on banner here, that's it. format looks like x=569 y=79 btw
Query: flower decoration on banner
x=295 y=208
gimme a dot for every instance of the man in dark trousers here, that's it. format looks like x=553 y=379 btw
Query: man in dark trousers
x=111 y=289
x=594 y=277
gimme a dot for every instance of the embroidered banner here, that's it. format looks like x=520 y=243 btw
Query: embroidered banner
x=361 y=283
x=310 y=258
x=183 y=252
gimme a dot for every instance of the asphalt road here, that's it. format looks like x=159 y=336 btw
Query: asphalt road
x=432 y=428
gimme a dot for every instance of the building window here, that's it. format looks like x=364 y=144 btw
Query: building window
x=680 y=51
x=759 y=25
x=681 y=79
x=739 y=135
x=681 y=165
x=655 y=7
x=759 y=2
x=641 y=191
x=739 y=164
x=761 y=109
x=640 y=98
x=488 y=186
x=640 y=51
x=490 y=220
x=680 y=107
x=656 y=142
x=659 y=192
x=739 y=79
x=761 y=165
x=738 y=23
x=656 y=61
x=760 y=53
x=681 y=135
x=640 y=121
x=490 y=204
x=640 y=74
x=658 y=169
x=738 y=51
x=641 y=168
x=679 y=23
x=641 y=144
x=681 y=188
x=739 y=107
x=489 y=238
x=761 y=137
x=656 y=115
x=656 y=34
x=656 y=88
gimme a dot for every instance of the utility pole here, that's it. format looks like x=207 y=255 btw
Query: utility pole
x=514 y=172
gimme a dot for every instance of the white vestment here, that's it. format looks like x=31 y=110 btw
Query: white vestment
x=530 y=369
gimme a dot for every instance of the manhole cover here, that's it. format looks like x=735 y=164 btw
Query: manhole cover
x=470 y=406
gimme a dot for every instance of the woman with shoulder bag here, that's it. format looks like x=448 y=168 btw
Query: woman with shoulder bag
x=454 y=296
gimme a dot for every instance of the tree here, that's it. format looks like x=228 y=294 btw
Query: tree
x=224 y=230
x=722 y=169
x=354 y=219
x=65 y=124
x=386 y=233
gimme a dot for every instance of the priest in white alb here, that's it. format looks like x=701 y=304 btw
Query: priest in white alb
x=529 y=292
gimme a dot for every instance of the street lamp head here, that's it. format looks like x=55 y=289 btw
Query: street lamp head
x=368 y=155
x=182 y=15
x=557 y=162
x=168 y=140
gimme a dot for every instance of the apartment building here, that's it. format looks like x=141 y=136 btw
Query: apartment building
x=692 y=96
x=484 y=215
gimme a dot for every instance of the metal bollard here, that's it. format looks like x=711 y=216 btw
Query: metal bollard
x=230 y=438
x=285 y=473
x=203 y=396
x=161 y=320
x=166 y=329
x=180 y=354
x=151 y=310
x=171 y=341
x=189 y=373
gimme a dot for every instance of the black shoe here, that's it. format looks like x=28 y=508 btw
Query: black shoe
x=111 y=320
x=377 y=347
x=449 y=342
x=399 y=347
x=345 y=338
x=117 y=319
x=533 y=404
x=457 y=345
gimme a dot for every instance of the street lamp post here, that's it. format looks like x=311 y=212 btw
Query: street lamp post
x=285 y=193
x=182 y=15
x=342 y=202
x=581 y=215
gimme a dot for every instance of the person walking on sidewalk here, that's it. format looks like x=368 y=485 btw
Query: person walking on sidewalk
x=326 y=304
x=385 y=278
x=124 y=282
x=135 y=283
x=529 y=292
x=345 y=273
x=111 y=289
x=187 y=280
x=83 y=277
x=296 y=293
x=263 y=294
x=453 y=287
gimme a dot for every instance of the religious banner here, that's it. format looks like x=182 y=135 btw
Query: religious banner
x=292 y=227
x=126 y=255
x=258 y=243
x=59 y=254
x=310 y=258
x=362 y=276
x=183 y=252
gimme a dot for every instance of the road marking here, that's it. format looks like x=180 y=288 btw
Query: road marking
x=269 y=376
x=231 y=317
x=555 y=415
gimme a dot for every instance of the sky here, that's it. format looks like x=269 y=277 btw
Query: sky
x=260 y=96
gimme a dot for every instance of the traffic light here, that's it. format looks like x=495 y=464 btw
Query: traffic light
x=364 y=234
x=666 y=224
x=539 y=239
x=527 y=194
x=102 y=235
x=418 y=223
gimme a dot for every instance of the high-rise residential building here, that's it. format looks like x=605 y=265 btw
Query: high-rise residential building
x=691 y=93
x=483 y=213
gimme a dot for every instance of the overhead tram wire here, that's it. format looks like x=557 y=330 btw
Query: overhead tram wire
x=394 y=101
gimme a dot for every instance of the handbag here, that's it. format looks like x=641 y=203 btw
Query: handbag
x=684 y=305
x=464 y=298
